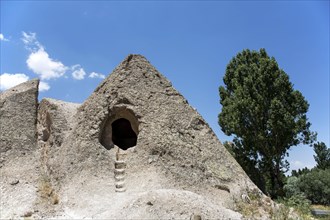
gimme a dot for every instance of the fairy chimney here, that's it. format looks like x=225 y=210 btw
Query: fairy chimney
x=135 y=149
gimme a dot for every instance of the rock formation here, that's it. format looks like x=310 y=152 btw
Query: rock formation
x=18 y=148
x=134 y=149
x=18 y=109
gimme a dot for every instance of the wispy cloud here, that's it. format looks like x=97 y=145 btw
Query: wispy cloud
x=2 y=37
x=8 y=80
x=96 y=75
x=78 y=72
x=30 y=41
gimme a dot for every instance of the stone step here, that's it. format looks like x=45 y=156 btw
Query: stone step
x=120 y=189
x=120 y=165
x=119 y=171
x=120 y=177
x=120 y=185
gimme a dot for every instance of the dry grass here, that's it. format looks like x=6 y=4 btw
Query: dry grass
x=254 y=205
x=47 y=191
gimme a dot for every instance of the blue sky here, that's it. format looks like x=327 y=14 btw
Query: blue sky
x=72 y=45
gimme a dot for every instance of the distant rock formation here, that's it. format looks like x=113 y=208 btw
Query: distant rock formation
x=134 y=149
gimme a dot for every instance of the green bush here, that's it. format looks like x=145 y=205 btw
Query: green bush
x=316 y=186
x=291 y=187
x=300 y=203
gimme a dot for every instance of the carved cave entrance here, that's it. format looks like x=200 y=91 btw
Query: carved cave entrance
x=122 y=134
x=120 y=129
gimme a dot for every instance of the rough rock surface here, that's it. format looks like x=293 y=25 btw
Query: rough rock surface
x=18 y=148
x=177 y=167
x=174 y=167
x=18 y=109
x=55 y=120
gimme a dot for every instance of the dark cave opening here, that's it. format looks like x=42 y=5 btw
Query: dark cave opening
x=122 y=134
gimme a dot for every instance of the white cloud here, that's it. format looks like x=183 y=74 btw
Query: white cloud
x=8 y=80
x=43 y=86
x=96 y=75
x=297 y=163
x=2 y=38
x=40 y=63
x=78 y=72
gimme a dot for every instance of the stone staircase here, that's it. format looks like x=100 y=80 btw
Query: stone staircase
x=120 y=168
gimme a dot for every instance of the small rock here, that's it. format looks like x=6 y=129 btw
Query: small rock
x=27 y=214
x=246 y=198
x=150 y=203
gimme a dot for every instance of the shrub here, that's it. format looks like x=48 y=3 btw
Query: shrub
x=299 y=203
x=291 y=187
x=316 y=186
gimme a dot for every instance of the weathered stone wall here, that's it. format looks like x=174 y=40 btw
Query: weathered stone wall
x=55 y=122
x=18 y=117
x=19 y=166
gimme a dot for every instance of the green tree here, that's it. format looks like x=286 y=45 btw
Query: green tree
x=316 y=186
x=300 y=172
x=264 y=113
x=322 y=156
x=291 y=187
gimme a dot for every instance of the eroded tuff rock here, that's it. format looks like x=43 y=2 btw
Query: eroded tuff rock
x=135 y=149
x=18 y=109
x=19 y=171
x=174 y=149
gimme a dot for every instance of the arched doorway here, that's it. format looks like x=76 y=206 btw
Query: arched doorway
x=120 y=128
